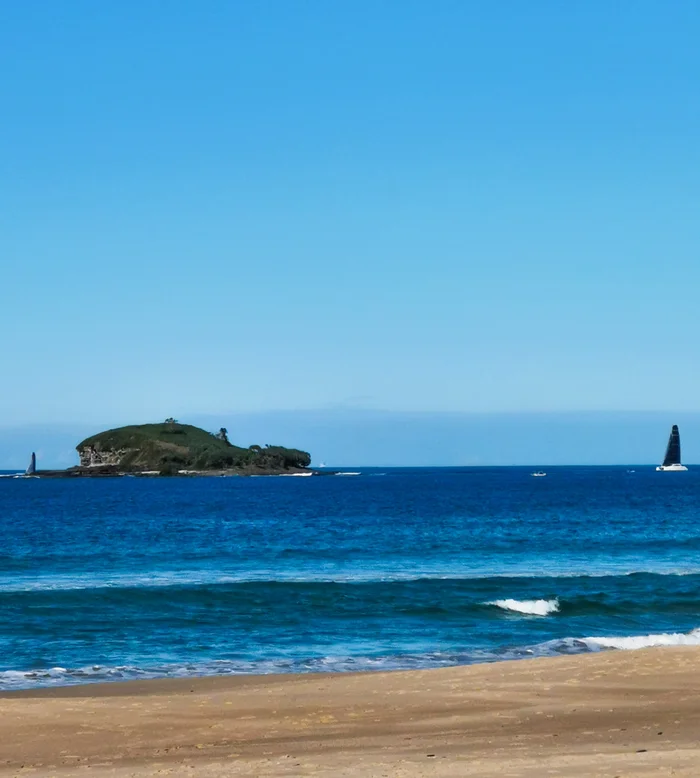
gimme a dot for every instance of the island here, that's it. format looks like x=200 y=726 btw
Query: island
x=170 y=448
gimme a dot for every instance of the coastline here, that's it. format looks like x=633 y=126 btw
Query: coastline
x=109 y=472
x=631 y=713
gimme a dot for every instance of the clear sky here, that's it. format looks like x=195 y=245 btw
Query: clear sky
x=449 y=206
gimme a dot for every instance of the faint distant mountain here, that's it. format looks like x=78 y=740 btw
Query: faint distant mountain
x=365 y=437
x=383 y=438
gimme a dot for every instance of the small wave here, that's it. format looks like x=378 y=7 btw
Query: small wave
x=348 y=473
x=528 y=607
x=635 y=642
x=604 y=643
x=63 y=676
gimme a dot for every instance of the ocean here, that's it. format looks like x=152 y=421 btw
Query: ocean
x=129 y=578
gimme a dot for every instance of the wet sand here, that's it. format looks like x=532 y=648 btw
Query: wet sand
x=633 y=713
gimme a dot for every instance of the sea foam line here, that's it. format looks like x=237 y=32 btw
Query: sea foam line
x=63 y=676
x=635 y=642
x=194 y=578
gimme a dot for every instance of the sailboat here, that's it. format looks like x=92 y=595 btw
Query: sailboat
x=30 y=472
x=672 y=460
x=32 y=465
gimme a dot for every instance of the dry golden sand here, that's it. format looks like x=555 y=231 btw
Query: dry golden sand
x=613 y=714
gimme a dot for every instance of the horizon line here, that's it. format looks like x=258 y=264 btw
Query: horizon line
x=211 y=414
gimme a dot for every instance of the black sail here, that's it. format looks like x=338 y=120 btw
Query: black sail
x=673 y=450
x=32 y=465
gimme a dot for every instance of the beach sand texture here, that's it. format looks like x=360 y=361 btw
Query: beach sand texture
x=633 y=713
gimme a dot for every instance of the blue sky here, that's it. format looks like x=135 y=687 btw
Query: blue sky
x=451 y=207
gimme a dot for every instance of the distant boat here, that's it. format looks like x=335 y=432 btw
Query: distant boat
x=538 y=474
x=32 y=465
x=672 y=460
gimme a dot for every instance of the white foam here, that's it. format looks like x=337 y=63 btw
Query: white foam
x=636 y=642
x=165 y=578
x=528 y=607
x=61 y=676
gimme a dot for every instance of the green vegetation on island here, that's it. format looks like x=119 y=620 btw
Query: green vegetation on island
x=171 y=447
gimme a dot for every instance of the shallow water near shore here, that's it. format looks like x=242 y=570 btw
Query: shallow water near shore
x=111 y=579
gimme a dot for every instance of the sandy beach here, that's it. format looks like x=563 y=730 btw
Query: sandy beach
x=633 y=713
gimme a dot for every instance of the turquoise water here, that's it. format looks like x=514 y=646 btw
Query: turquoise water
x=108 y=579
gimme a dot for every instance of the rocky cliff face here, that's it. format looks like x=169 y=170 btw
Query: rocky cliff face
x=90 y=456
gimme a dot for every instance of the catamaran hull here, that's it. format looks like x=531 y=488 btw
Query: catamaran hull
x=671 y=468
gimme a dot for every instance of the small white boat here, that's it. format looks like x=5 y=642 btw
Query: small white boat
x=538 y=474
x=672 y=460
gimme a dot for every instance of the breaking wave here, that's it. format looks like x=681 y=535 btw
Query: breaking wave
x=635 y=642
x=528 y=607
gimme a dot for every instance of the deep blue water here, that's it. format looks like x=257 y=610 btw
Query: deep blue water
x=103 y=579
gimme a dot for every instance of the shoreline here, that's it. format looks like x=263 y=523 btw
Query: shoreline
x=631 y=713
x=99 y=472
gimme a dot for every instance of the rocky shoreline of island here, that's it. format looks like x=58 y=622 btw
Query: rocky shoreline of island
x=98 y=472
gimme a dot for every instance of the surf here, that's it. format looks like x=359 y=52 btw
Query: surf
x=528 y=607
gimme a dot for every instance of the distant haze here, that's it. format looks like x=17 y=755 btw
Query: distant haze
x=384 y=439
